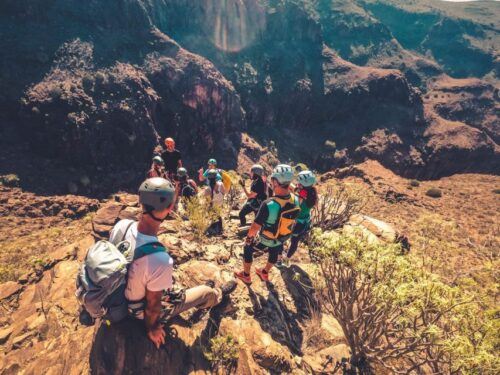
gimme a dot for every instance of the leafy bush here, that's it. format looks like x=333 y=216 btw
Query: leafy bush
x=395 y=314
x=434 y=193
x=414 y=183
x=223 y=352
x=10 y=180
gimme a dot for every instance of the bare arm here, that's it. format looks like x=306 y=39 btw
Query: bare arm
x=152 y=318
x=254 y=229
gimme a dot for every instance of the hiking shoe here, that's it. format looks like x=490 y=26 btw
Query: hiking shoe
x=210 y=283
x=279 y=264
x=286 y=262
x=228 y=288
x=245 y=278
x=264 y=276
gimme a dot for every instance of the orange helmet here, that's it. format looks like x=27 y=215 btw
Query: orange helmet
x=169 y=141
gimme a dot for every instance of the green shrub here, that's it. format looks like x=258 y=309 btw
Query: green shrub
x=396 y=314
x=10 y=180
x=434 y=193
x=414 y=183
x=201 y=215
x=223 y=352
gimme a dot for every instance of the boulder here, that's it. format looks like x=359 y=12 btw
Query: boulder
x=8 y=289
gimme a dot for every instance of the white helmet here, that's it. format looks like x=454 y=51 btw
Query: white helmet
x=306 y=178
x=257 y=169
x=283 y=173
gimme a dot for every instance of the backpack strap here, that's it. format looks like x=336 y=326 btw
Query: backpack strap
x=147 y=249
x=126 y=230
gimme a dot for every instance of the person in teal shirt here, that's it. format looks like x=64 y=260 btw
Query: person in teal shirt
x=308 y=197
x=203 y=175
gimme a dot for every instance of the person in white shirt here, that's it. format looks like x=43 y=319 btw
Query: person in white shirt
x=150 y=277
x=215 y=192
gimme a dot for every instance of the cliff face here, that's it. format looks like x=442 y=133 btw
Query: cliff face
x=99 y=83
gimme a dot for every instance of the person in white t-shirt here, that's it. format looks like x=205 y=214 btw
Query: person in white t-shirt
x=150 y=277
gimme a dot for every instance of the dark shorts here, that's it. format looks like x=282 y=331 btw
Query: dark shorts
x=259 y=249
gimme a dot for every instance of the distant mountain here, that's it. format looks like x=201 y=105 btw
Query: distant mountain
x=96 y=83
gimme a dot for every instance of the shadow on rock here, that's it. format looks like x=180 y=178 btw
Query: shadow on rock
x=275 y=318
x=300 y=287
x=124 y=348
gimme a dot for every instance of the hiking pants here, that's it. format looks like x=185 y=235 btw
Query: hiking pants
x=272 y=252
x=251 y=205
x=201 y=297
x=299 y=232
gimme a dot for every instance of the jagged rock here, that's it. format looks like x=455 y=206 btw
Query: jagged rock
x=105 y=218
x=124 y=348
x=379 y=228
x=8 y=289
x=5 y=334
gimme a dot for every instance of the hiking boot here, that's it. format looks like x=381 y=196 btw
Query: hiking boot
x=245 y=278
x=279 y=264
x=228 y=288
x=264 y=276
x=210 y=283
x=286 y=262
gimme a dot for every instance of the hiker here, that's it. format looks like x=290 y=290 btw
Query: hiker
x=215 y=193
x=149 y=283
x=274 y=223
x=157 y=168
x=212 y=165
x=308 y=197
x=256 y=195
x=187 y=186
x=172 y=158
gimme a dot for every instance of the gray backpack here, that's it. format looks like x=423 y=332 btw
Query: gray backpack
x=102 y=278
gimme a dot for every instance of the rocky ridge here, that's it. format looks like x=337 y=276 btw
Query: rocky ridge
x=275 y=324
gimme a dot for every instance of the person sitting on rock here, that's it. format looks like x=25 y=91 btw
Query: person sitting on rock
x=212 y=165
x=187 y=186
x=256 y=195
x=172 y=158
x=157 y=168
x=149 y=284
x=274 y=223
x=308 y=197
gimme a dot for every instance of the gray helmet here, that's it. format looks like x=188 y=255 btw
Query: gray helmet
x=257 y=169
x=306 y=178
x=283 y=173
x=212 y=173
x=158 y=160
x=156 y=194
x=182 y=172
x=212 y=161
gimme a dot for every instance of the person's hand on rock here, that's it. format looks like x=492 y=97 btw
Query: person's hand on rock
x=157 y=335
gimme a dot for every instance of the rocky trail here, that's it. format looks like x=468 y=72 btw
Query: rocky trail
x=278 y=325
x=41 y=329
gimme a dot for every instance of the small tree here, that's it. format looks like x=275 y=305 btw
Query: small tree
x=396 y=314
x=201 y=215
x=336 y=204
